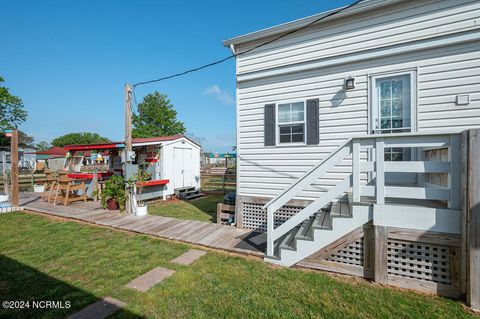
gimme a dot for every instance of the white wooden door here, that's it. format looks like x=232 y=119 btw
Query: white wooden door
x=393 y=111
x=178 y=161
x=183 y=167
x=187 y=167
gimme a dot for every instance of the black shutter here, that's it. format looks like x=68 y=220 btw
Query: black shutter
x=312 y=122
x=269 y=128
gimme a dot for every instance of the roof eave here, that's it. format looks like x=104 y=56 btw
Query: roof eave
x=292 y=25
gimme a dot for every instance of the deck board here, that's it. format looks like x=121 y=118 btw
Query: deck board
x=195 y=232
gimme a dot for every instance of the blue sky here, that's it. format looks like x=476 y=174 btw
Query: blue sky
x=69 y=60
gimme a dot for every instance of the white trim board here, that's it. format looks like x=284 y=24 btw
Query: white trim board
x=418 y=218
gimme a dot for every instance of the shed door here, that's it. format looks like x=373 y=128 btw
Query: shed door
x=183 y=166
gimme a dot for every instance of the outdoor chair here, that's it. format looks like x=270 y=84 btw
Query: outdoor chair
x=68 y=189
x=49 y=186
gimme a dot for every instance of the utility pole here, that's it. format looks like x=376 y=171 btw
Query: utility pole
x=128 y=142
x=14 y=168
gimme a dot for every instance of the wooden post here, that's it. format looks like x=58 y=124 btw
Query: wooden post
x=473 y=220
x=380 y=171
x=14 y=169
x=356 y=171
x=4 y=170
x=128 y=142
x=270 y=227
x=454 y=174
x=381 y=263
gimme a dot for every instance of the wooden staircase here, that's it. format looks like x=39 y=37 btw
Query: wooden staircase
x=187 y=193
x=319 y=230
x=339 y=210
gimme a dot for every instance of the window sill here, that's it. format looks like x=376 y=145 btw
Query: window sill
x=291 y=145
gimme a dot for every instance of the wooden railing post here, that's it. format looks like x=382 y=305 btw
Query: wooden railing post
x=270 y=226
x=380 y=171
x=381 y=263
x=15 y=197
x=454 y=173
x=473 y=219
x=356 y=170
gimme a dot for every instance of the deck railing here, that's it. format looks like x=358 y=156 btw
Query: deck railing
x=375 y=186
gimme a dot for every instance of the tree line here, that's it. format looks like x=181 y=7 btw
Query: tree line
x=155 y=117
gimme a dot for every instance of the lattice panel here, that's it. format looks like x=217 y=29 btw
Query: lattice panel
x=254 y=217
x=351 y=254
x=419 y=261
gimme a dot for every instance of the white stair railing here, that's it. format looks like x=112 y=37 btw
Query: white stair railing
x=316 y=172
x=379 y=191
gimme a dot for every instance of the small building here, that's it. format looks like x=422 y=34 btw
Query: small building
x=173 y=163
x=176 y=158
x=351 y=142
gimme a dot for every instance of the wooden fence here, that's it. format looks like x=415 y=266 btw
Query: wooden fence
x=25 y=182
x=218 y=181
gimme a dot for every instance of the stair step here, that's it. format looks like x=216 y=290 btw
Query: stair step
x=288 y=241
x=322 y=221
x=192 y=196
x=341 y=209
x=306 y=231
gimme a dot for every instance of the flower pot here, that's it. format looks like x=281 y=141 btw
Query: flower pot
x=142 y=211
x=112 y=204
x=38 y=188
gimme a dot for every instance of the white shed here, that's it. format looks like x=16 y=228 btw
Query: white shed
x=173 y=158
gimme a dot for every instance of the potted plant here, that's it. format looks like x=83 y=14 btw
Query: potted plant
x=113 y=196
x=137 y=182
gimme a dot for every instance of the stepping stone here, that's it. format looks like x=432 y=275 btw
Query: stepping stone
x=150 y=279
x=99 y=310
x=188 y=257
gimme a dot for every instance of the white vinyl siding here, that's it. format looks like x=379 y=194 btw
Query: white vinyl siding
x=344 y=114
x=440 y=43
x=401 y=23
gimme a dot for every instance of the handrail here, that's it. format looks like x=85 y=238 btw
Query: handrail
x=378 y=142
x=318 y=170
x=309 y=176
x=314 y=207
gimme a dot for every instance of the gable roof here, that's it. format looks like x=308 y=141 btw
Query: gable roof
x=365 y=5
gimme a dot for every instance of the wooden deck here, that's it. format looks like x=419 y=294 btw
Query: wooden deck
x=195 y=232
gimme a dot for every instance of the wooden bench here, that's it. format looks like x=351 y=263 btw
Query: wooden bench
x=67 y=190
x=224 y=213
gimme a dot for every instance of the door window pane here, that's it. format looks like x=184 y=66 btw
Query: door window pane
x=394 y=103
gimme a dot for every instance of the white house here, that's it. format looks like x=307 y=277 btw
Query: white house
x=358 y=115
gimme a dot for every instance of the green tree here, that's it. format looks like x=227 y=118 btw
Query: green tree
x=12 y=113
x=24 y=140
x=79 y=138
x=42 y=146
x=156 y=117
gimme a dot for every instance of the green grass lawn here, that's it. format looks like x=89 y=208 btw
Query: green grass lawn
x=203 y=209
x=50 y=259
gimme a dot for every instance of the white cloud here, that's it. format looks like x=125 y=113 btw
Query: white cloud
x=221 y=95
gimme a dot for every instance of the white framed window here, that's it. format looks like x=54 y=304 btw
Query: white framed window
x=291 y=123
